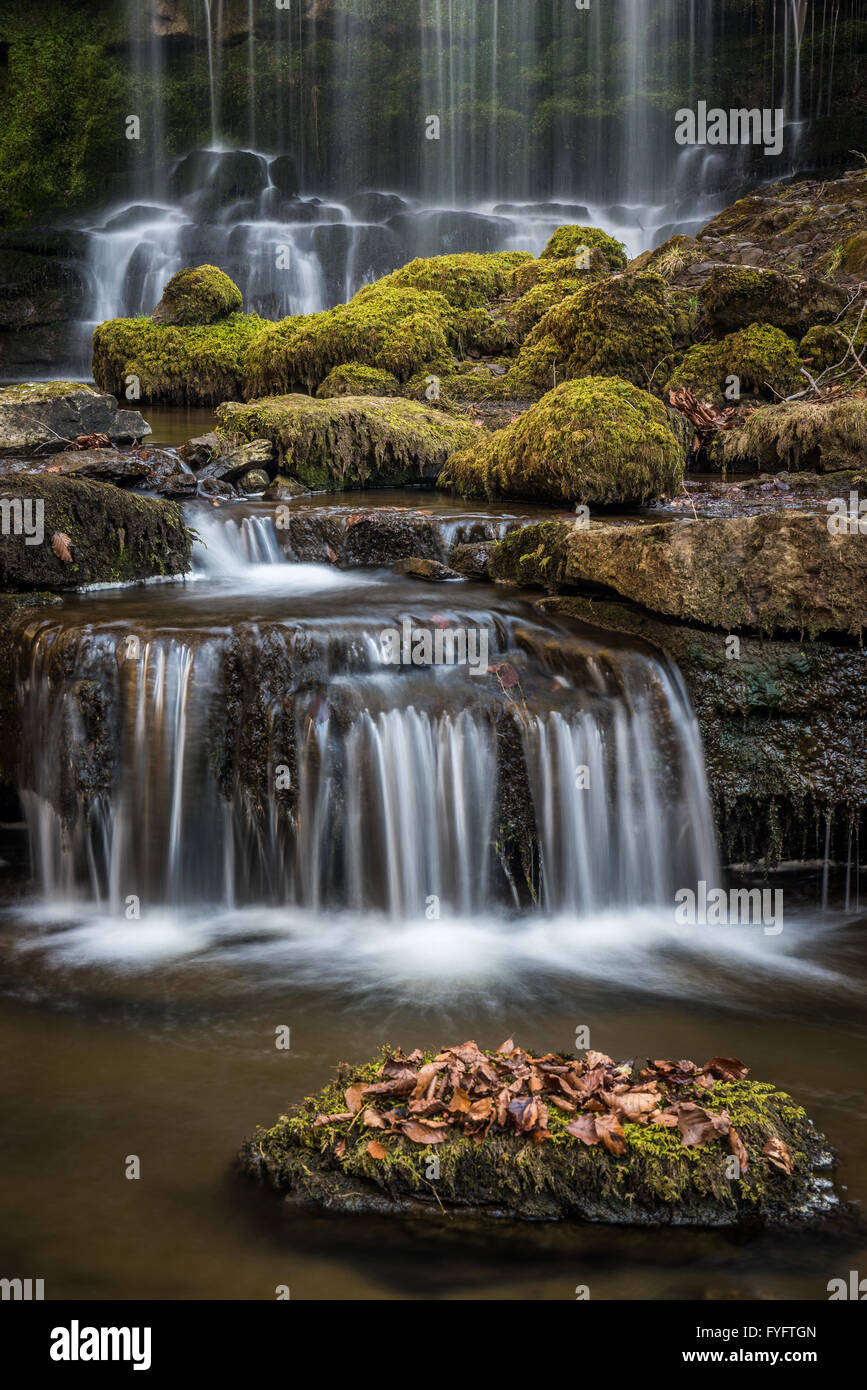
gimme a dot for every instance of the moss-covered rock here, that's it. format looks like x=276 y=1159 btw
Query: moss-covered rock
x=597 y=440
x=92 y=533
x=763 y=358
x=816 y=436
x=466 y=280
x=199 y=365
x=351 y=1147
x=734 y=296
x=351 y=441
x=783 y=571
x=619 y=326
x=200 y=295
x=568 y=242
x=354 y=379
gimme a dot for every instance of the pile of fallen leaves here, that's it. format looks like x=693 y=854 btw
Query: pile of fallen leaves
x=90 y=441
x=471 y=1092
x=702 y=415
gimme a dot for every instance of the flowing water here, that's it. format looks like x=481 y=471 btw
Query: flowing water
x=242 y=817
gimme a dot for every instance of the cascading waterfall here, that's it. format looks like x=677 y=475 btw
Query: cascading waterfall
x=374 y=791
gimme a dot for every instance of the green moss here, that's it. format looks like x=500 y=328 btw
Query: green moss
x=351 y=441
x=566 y=241
x=819 y=436
x=200 y=365
x=763 y=358
x=354 y=379
x=621 y=326
x=466 y=280
x=594 y=440
x=200 y=295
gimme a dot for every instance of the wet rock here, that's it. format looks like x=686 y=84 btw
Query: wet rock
x=283 y=489
x=817 y=436
x=472 y=558
x=253 y=480
x=375 y=207
x=46 y=417
x=432 y=570
x=178 y=485
x=318 y=1153
x=214 y=487
x=201 y=450
x=283 y=172
x=60 y=533
x=227 y=176
x=105 y=465
x=783 y=571
x=351 y=441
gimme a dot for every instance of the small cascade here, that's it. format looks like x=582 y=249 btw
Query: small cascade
x=287 y=765
x=230 y=548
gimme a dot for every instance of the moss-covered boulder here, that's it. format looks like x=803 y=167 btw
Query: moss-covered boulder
x=199 y=365
x=763 y=358
x=597 y=440
x=569 y=242
x=815 y=436
x=734 y=296
x=351 y=441
x=507 y=1133
x=85 y=533
x=785 y=571
x=47 y=416
x=618 y=326
x=354 y=379
x=199 y=295
x=466 y=280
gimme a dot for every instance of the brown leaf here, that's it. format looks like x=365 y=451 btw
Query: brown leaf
x=60 y=544
x=340 y=1149
x=775 y=1152
x=396 y=1086
x=736 y=1145
x=598 y=1059
x=421 y=1134
x=664 y=1117
x=699 y=1127
x=507 y=1047
x=375 y=1149
x=353 y=1097
x=726 y=1068
x=372 y=1119
x=426 y=1078
x=610 y=1131
x=584 y=1128
x=632 y=1104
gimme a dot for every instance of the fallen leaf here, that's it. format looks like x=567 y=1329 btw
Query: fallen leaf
x=726 y=1068
x=422 y=1134
x=775 y=1152
x=736 y=1145
x=699 y=1126
x=353 y=1097
x=375 y=1149
x=60 y=544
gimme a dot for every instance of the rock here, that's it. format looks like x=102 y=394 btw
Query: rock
x=214 y=487
x=179 y=485
x=354 y=379
x=105 y=465
x=472 y=558
x=113 y=536
x=432 y=570
x=782 y=571
x=351 y=441
x=735 y=296
x=201 y=450
x=226 y=176
x=854 y=259
x=817 y=436
x=375 y=207
x=597 y=440
x=195 y=365
x=283 y=173
x=253 y=480
x=568 y=241
x=47 y=416
x=762 y=358
x=319 y=1153
x=283 y=489
x=198 y=296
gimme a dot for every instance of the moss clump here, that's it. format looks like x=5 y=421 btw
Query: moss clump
x=594 y=440
x=320 y=1152
x=351 y=441
x=853 y=260
x=199 y=295
x=735 y=296
x=826 y=345
x=816 y=436
x=114 y=536
x=467 y=280
x=567 y=241
x=621 y=326
x=178 y=366
x=354 y=379
x=762 y=357
x=298 y=353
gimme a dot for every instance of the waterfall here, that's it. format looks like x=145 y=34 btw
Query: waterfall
x=368 y=791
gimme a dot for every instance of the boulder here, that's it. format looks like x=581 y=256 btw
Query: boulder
x=62 y=533
x=201 y=450
x=813 y=436
x=105 y=466
x=763 y=359
x=419 y=567
x=283 y=489
x=225 y=176
x=283 y=173
x=200 y=295
x=254 y=480
x=193 y=365
x=596 y=440
x=735 y=296
x=638 y=1146
x=45 y=417
x=785 y=571
x=351 y=441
